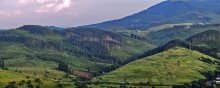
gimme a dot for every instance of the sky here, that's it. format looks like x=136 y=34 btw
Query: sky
x=67 y=13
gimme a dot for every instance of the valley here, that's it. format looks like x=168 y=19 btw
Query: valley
x=173 y=44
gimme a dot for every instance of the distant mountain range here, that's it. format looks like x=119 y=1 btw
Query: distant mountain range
x=168 y=12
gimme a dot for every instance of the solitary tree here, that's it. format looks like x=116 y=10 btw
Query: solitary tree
x=46 y=73
x=81 y=85
x=178 y=63
x=63 y=67
x=2 y=64
x=11 y=85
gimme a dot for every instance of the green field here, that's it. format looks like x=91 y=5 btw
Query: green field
x=11 y=76
x=128 y=50
x=21 y=79
x=8 y=76
x=174 y=66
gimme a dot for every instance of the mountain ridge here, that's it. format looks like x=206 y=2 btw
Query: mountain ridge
x=171 y=11
x=74 y=46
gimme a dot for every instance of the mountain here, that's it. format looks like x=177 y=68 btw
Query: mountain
x=209 y=41
x=40 y=47
x=168 y=12
x=209 y=38
x=55 y=28
x=164 y=35
x=171 y=63
x=175 y=65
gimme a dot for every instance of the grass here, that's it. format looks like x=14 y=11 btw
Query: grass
x=38 y=72
x=163 y=68
x=160 y=35
x=118 y=86
x=17 y=54
x=145 y=32
x=7 y=76
x=132 y=47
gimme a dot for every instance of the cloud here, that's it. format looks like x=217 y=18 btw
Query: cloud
x=36 y=1
x=30 y=6
x=13 y=13
x=23 y=1
x=53 y=6
x=3 y=13
x=63 y=5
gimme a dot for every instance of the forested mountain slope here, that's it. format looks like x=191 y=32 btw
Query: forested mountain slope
x=168 y=12
x=80 y=48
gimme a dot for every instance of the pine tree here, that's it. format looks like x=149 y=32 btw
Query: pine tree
x=63 y=67
x=2 y=64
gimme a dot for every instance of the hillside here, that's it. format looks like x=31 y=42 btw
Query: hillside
x=168 y=12
x=23 y=80
x=209 y=41
x=84 y=49
x=173 y=66
x=209 y=38
x=162 y=34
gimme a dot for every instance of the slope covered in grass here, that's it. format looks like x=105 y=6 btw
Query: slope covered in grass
x=173 y=66
x=209 y=41
x=14 y=79
x=10 y=76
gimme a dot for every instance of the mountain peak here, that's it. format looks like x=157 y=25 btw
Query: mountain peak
x=168 y=12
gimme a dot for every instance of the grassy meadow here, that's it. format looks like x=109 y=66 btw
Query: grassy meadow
x=174 y=66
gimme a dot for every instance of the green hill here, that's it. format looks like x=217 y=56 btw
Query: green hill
x=34 y=46
x=209 y=41
x=173 y=66
x=21 y=80
x=162 y=34
x=210 y=38
x=183 y=32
